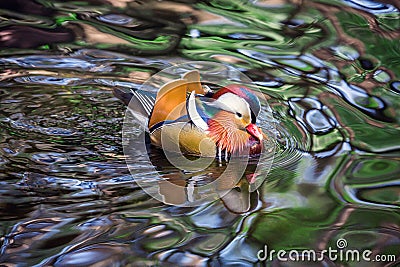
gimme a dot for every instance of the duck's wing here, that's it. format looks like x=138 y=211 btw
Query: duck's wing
x=170 y=103
x=194 y=84
x=139 y=102
x=199 y=110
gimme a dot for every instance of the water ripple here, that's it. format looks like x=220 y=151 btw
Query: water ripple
x=41 y=79
x=29 y=126
x=371 y=6
x=118 y=19
x=54 y=62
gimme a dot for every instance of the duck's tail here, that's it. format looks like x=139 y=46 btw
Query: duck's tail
x=139 y=102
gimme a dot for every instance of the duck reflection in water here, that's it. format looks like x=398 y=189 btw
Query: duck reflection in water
x=182 y=188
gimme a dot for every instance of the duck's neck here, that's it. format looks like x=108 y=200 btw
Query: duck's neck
x=225 y=133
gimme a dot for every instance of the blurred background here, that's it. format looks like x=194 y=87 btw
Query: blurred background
x=330 y=71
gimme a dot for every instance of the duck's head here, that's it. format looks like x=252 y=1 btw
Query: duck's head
x=234 y=127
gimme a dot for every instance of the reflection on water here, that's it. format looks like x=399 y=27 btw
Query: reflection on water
x=330 y=72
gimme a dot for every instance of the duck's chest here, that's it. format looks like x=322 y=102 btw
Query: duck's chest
x=183 y=137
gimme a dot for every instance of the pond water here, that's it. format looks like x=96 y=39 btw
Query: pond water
x=330 y=71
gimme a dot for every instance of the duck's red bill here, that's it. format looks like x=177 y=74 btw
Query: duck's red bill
x=255 y=132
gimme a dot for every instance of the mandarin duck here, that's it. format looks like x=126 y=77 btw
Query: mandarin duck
x=186 y=116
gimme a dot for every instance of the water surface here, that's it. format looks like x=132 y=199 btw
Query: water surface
x=329 y=69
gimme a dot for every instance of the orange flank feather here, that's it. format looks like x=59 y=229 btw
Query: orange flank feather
x=171 y=98
x=169 y=102
x=193 y=79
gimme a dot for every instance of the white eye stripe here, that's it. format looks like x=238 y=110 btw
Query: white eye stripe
x=234 y=104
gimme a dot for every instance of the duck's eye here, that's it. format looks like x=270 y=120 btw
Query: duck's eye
x=239 y=115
